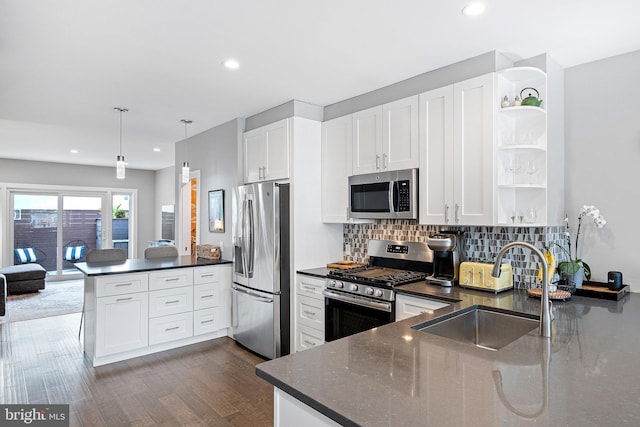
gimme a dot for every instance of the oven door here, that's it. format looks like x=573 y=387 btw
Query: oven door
x=347 y=314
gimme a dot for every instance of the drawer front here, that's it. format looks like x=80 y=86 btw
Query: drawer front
x=407 y=306
x=119 y=284
x=206 y=296
x=310 y=286
x=309 y=337
x=170 y=301
x=172 y=278
x=211 y=274
x=311 y=312
x=208 y=320
x=170 y=328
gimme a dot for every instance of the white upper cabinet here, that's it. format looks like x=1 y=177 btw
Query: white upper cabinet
x=400 y=134
x=456 y=160
x=386 y=137
x=336 y=169
x=266 y=152
x=367 y=141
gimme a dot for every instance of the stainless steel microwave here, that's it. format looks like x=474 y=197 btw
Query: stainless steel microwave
x=385 y=195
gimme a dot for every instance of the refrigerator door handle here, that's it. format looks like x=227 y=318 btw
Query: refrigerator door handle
x=253 y=295
x=243 y=248
x=251 y=236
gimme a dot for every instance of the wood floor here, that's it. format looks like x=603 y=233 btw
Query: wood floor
x=206 y=384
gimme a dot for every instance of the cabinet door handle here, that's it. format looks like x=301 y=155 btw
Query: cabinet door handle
x=446 y=213
x=384 y=161
x=172 y=302
x=207 y=275
x=123 y=284
x=124 y=299
x=173 y=279
x=260 y=172
x=309 y=313
x=377 y=160
x=206 y=321
x=310 y=343
x=172 y=329
x=456 y=218
x=206 y=296
x=264 y=172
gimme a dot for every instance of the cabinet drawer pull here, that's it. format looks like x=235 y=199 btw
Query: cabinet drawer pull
x=172 y=329
x=206 y=321
x=123 y=284
x=309 y=343
x=309 y=313
x=173 y=302
x=207 y=275
x=124 y=299
x=206 y=296
x=172 y=279
x=309 y=288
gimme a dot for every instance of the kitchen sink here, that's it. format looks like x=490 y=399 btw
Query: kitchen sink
x=482 y=327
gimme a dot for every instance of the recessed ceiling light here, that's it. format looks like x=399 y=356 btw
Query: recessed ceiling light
x=474 y=9
x=231 y=64
x=74 y=151
x=156 y=149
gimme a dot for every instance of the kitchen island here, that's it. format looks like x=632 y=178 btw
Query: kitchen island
x=142 y=306
x=586 y=374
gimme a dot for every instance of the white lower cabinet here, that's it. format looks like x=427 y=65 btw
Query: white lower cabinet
x=170 y=328
x=289 y=411
x=129 y=315
x=309 y=312
x=409 y=306
x=122 y=323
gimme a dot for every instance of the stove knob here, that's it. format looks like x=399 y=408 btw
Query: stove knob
x=354 y=288
x=369 y=291
x=378 y=293
x=339 y=285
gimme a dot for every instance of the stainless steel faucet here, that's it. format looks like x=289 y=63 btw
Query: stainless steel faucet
x=545 y=303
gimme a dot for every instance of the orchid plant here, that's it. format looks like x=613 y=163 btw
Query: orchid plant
x=574 y=264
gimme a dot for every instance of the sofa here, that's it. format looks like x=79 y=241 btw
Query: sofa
x=24 y=278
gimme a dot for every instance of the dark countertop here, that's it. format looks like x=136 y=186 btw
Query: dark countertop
x=586 y=374
x=316 y=272
x=138 y=265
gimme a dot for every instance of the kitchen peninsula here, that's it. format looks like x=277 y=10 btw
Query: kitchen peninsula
x=143 y=306
x=395 y=375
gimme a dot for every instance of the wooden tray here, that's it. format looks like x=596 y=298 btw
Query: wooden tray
x=601 y=290
x=341 y=265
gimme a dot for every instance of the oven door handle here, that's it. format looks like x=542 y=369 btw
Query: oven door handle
x=382 y=306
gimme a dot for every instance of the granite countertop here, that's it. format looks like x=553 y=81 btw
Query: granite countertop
x=586 y=374
x=140 y=264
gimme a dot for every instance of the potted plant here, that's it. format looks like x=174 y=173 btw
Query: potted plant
x=575 y=270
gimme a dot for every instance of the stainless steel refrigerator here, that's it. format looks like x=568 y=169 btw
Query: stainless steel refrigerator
x=261 y=268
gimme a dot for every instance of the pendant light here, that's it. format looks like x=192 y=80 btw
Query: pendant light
x=185 y=165
x=120 y=164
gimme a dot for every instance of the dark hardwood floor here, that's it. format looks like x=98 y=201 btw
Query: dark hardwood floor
x=206 y=384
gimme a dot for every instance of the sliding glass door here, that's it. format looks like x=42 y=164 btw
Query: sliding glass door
x=57 y=228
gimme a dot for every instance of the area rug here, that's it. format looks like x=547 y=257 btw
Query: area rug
x=56 y=299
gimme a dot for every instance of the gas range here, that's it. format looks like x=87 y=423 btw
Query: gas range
x=392 y=263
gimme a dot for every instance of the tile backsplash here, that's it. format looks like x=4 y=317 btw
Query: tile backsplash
x=481 y=243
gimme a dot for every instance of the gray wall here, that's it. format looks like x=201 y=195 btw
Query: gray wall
x=602 y=147
x=215 y=154
x=47 y=173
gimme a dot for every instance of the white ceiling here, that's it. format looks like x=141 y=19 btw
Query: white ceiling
x=65 y=64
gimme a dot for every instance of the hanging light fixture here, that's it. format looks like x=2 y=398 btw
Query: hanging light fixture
x=185 y=165
x=120 y=164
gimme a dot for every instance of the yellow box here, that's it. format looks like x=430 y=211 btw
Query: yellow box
x=477 y=275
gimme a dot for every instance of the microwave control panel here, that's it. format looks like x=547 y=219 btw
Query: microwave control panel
x=404 y=196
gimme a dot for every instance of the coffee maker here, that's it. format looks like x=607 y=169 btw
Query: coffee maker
x=448 y=253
